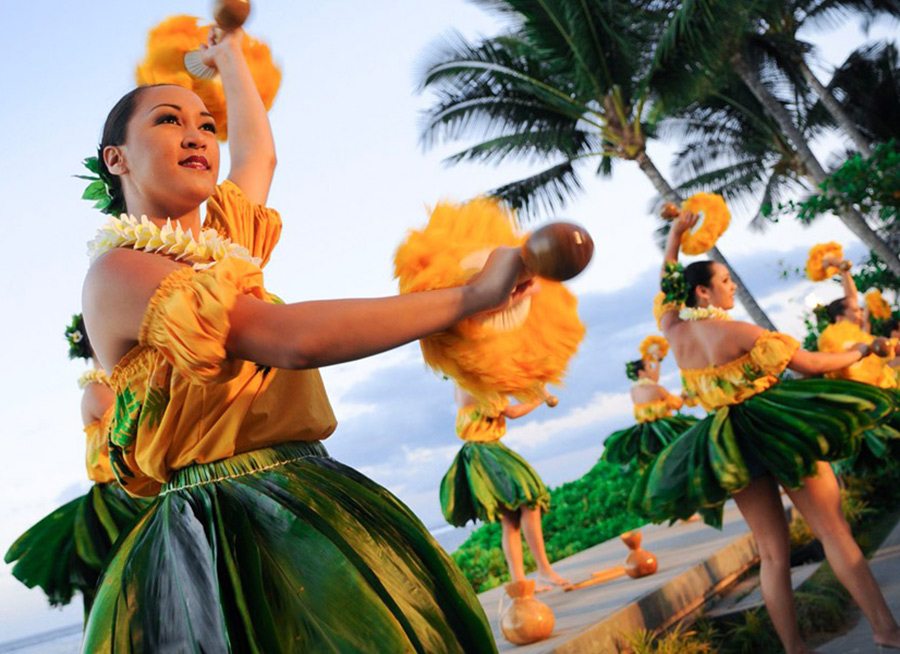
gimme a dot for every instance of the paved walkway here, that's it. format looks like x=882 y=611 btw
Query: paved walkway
x=694 y=560
x=886 y=568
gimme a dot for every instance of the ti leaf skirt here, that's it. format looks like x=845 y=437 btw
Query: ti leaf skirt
x=640 y=443
x=486 y=479
x=65 y=552
x=785 y=430
x=282 y=549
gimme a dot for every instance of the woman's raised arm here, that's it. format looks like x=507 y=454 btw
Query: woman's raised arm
x=250 y=142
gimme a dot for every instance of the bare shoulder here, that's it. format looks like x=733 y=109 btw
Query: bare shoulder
x=116 y=291
x=744 y=333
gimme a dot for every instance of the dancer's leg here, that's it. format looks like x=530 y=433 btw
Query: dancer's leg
x=819 y=501
x=760 y=504
x=534 y=536
x=512 y=545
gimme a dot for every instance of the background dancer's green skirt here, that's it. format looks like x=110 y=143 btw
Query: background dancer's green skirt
x=877 y=446
x=487 y=478
x=65 y=552
x=783 y=431
x=282 y=550
x=641 y=442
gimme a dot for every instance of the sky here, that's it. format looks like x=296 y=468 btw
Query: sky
x=352 y=178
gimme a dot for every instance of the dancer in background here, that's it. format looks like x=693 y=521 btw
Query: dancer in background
x=761 y=433
x=487 y=481
x=656 y=427
x=257 y=540
x=66 y=551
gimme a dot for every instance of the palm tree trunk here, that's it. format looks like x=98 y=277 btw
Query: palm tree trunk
x=663 y=187
x=836 y=111
x=854 y=221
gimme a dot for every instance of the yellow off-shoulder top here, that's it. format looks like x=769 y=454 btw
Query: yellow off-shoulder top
x=872 y=369
x=96 y=451
x=653 y=411
x=97 y=454
x=740 y=379
x=179 y=399
x=479 y=425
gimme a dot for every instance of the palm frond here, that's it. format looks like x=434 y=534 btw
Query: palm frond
x=541 y=193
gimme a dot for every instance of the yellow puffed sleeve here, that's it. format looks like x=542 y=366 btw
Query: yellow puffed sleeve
x=674 y=402
x=187 y=318
x=773 y=351
x=254 y=226
x=661 y=307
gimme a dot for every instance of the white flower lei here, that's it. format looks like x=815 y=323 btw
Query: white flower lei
x=703 y=313
x=172 y=240
x=643 y=381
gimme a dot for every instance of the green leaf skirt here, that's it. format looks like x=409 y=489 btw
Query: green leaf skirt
x=65 y=552
x=877 y=446
x=641 y=442
x=282 y=549
x=784 y=430
x=486 y=479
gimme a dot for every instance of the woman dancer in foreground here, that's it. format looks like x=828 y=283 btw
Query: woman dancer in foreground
x=487 y=481
x=258 y=540
x=761 y=432
x=66 y=551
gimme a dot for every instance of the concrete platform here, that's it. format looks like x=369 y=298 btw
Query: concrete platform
x=695 y=562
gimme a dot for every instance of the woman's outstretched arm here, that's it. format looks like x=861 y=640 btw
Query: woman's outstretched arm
x=818 y=363
x=121 y=284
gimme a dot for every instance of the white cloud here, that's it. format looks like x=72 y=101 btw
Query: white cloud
x=601 y=407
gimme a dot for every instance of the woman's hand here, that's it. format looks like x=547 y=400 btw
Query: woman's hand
x=219 y=44
x=502 y=281
x=684 y=223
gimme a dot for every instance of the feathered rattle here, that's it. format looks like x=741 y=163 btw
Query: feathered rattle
x=511 y=352
x=716 y=218
x=229 y=16
x=174 y=47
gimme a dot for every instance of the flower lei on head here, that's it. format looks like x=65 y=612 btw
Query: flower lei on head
x=878 y=306
x=815 y=268
x=716 y=219
x=98 y=189
x=172 y=240
x=76 y=335
x=654 y=348
x=703 y=313
x=632 y=368
x=673 y=284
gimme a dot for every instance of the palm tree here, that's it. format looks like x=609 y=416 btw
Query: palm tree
x=565 y=84
x=731 y=147
x=868 y=85
x=712 y=39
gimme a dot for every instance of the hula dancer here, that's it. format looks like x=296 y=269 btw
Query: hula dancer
x=761 y=432
x=848 y=330
x=66 y=551
x=487 y=481
x=656 y=427
x=257 y=540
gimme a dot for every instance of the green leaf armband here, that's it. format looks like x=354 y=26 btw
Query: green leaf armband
x=673 y=285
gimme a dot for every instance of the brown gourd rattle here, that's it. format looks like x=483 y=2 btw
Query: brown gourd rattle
x=558 y=251
x=229 y=16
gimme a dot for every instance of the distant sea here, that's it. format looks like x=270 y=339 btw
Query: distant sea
x=67 y=640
